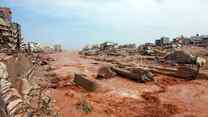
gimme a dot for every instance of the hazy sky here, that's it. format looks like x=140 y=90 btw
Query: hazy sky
x=75 y=23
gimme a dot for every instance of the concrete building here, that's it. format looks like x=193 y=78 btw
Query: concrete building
x=200 y=40
x=162 y=41
x=182 y=40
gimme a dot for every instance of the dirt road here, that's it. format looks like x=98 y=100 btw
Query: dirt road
x=119 y=97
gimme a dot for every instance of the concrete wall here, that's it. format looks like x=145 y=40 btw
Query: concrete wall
x=18 y=65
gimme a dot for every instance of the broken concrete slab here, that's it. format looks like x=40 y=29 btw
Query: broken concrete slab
x=105 y=72
x=83 y=81
x=139 y=75
x=19 y=65
x=186 y=72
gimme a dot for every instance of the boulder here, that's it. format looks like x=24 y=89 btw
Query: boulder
x=83 y=81
x=105 y=72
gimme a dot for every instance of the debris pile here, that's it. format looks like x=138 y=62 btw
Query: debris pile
x=11 y=98
x=19 y=92
x=33 y=47
x=114 y=49
x=177 y=62
x=110 y=49
x=138 y=75
x=105 y=72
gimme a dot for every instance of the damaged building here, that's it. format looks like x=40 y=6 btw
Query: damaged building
x=16 y=68
x=163 y=41
x=10 y=32
x=199 y=40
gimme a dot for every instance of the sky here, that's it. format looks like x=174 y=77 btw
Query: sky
x=76 y=23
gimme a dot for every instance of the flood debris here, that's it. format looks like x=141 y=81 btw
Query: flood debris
x=186 y=65
x=83 y=81
x=105 y=72
x=189 y=65
x=136 y=75
x=139 y=75
x=181 y=57
x=110 y=49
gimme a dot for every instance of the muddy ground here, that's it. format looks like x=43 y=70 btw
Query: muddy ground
x=119 y=97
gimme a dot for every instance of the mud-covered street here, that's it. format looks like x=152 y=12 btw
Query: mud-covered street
x=119 y=97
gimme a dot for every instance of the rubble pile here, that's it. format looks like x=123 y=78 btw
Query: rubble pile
x=12 y=99
x=177 y=62
x=9 y=95
x=19 y=92
x=113 y=49
x=159 y=48
x=33 y=47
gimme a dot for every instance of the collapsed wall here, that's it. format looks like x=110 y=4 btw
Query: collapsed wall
x=11 y=101
x=20 y=93
x=15 y=85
